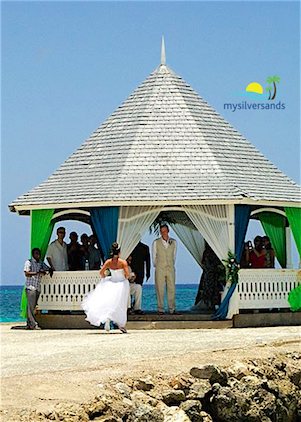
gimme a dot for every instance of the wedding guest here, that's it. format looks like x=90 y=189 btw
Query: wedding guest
x=270 y=253
x=75 y=254
x=212 y=280
x=93 y=254
x=57 y=255
x=135 y=291
x=34 y=268
x=84 y=248
x=141 y=262
x=164 y=256
x=256 y=255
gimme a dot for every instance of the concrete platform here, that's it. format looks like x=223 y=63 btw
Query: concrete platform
x=267 y=319
x=136 y=322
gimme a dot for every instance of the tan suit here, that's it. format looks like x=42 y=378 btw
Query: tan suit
x=165 y=273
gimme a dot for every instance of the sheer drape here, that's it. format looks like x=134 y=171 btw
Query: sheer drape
x=192 y=240
x=132 y=224
x=213 y=222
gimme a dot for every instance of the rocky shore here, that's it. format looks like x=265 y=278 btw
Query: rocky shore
x=257 y=390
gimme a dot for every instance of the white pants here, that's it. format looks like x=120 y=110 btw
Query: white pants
x=136 y=291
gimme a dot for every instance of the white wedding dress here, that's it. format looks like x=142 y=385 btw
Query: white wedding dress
x=108 y=300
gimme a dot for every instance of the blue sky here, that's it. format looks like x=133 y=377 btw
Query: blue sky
x=66 y=66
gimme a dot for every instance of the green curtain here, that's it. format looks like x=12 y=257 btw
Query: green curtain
x=294 y=219
x=274 y=226
x=41 y=230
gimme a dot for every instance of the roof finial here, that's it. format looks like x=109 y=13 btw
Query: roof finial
x=163 y=56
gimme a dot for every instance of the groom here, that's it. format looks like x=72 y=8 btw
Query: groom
x=164 y=256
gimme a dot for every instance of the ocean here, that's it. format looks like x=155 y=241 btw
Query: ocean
x=10 y=297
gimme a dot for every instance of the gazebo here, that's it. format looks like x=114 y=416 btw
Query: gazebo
x=165 y=149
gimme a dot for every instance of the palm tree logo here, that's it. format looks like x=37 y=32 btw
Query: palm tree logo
x=269 y=88
x=270 y=80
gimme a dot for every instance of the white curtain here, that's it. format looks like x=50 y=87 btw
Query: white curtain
x=214 y=224
x=132 y=224
x=192 y=240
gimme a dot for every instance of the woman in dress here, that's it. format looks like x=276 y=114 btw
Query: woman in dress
x=257 y=254
x=108 y=302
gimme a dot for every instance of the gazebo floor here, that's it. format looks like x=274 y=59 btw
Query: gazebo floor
x=149 y=321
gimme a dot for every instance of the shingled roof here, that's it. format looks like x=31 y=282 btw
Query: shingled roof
x=164 y=143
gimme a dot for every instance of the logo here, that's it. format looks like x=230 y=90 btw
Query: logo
x=255 y=90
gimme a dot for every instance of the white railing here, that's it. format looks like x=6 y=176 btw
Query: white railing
x=266 y=288
x=257 y=289
x=66 y=289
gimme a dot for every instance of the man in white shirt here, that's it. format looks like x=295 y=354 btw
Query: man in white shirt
x=57 y=255
x=164 y=256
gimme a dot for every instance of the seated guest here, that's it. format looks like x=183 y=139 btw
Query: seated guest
x=57 y=255
x=257 y=254
x=270 y=253
x=94 y=254
x=75 y=254
x=135 y=291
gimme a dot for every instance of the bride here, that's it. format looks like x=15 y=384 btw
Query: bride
x=108 y=302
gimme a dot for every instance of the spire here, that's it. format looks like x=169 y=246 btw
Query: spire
x=163 y=56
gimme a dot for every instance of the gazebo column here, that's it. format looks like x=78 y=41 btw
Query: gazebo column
x=288 y=246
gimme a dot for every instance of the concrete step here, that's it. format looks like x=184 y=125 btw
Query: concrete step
x=55 y=321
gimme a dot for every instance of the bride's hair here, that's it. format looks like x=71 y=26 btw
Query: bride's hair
x=115 y=249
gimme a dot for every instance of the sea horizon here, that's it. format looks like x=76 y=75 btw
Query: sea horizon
x=10 y=298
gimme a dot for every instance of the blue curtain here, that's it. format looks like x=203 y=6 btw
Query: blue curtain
x=242 y=216
x=105 y=223
x=222 y=311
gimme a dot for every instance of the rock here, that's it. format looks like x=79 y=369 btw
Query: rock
x=123 y=389
x=173 y=397
x=138 y=396
x=174 y=414
x=144 y=413
x=211 y=372
x=144 y=384
x=294 y=374
x=238 y=370
x=199 y=389
x=252 y=399
x=96 y=409
x=180 y=383
x=192 y=408
x=206 y=417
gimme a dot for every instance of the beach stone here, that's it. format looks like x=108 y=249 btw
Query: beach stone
x=174 y=414
x=96 y=409
x=256 y=400
x=193 y=410
x=211 y=372
x=294 y=374
x=206 y=417
x=173 y=397
x=180 y=383
x=144 y=384
x=238 y=371
x=199 y=389
x=138 y=396
x=123 y=389
x=144 y=413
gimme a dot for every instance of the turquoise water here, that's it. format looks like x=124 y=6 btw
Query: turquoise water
x=10 y=297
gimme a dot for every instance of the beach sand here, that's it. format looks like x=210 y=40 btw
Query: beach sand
x=40 y=369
